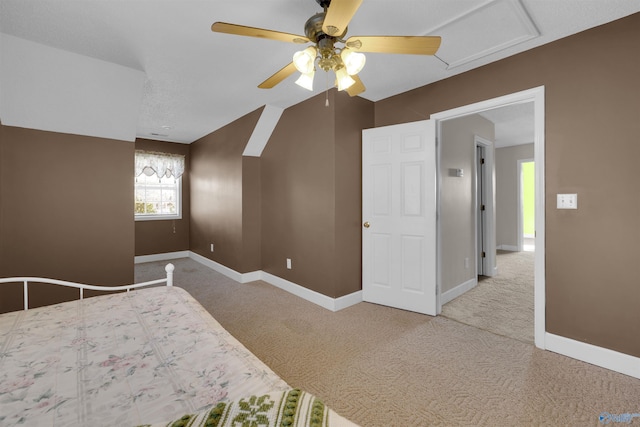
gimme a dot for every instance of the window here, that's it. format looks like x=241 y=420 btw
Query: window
x=158 y=186
x=158 y=198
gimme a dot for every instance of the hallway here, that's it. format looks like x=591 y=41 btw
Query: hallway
x=503 y=304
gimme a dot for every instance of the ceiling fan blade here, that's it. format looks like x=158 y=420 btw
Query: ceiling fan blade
x=412 y=45
x=339 y=15
x=279 y=76
x=357 y=88
x=241 y=30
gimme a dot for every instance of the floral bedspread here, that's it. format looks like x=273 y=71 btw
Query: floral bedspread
x=124 y=359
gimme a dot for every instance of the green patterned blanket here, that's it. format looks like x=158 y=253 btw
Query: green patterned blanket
x=292 y=408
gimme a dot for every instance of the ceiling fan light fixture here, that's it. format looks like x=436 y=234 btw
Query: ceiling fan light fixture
x=306 y=80
x=344 y=79
x=325 y=29
x=353 y=61
x=304 y=60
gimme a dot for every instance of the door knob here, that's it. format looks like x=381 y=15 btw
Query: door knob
x=366 y=224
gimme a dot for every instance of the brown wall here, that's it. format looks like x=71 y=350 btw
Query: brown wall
x=352 y=115
x=66 y=211
x=218 y=193
x=299 y=200
x=592 y=102
x=157 y=237
x=251 y=213
x=311 y=185
x=298 y=196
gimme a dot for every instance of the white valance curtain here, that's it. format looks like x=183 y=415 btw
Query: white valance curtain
x=160 y=164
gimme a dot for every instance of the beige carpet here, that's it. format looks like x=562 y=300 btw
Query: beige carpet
x=502 y=304
x=380 y=366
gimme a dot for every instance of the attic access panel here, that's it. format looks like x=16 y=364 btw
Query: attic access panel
x=483 y=31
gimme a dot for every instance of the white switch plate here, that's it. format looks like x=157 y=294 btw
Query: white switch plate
x=567 y=201
x=289 y=263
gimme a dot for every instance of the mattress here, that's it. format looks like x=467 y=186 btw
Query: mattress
x=124 y=359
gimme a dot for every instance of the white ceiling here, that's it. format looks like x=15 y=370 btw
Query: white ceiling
x=184 y=81
x=514 y=124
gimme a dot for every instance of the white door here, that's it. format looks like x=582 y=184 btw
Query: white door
x=399 y=216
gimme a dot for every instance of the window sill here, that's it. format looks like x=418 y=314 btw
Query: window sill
x=157 y=217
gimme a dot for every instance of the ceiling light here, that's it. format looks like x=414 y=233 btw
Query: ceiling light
x=343 y=62
x=353 y=61
x=306 y=80
x=304 y=60
x=344 y=79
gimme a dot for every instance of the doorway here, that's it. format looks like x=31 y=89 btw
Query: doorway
x=481 y=221
x=484 y=196
x=498 y=295
x=536 y=96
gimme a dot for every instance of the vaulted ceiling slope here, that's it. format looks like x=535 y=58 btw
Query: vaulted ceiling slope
x=123 y=69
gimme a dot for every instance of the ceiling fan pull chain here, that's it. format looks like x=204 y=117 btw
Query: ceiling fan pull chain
x=326 y=102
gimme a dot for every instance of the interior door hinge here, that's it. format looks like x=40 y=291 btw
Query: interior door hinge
x=484 y=254
x=482 y=208
x=482 y=161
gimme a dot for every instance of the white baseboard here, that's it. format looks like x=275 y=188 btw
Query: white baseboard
x=333 y=304
x=508 y=248
x=161 y=257
x=347 y=300
x=251 y=276
x=599 y=356
x=230 y=273
x=454 y=293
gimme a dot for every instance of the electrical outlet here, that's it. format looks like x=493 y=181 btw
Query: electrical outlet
x=466 y=263
x=567 y=201
x=288 y=263
x=212 y=247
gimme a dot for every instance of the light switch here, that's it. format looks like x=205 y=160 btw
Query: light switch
x=567 y=201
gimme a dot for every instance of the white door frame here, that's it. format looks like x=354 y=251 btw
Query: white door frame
x=535 y=95
x=489 y=225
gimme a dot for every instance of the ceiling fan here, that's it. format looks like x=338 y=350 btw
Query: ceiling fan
x=325 y=30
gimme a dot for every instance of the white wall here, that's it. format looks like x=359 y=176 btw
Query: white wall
x=457 y=207
x=47 y=89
